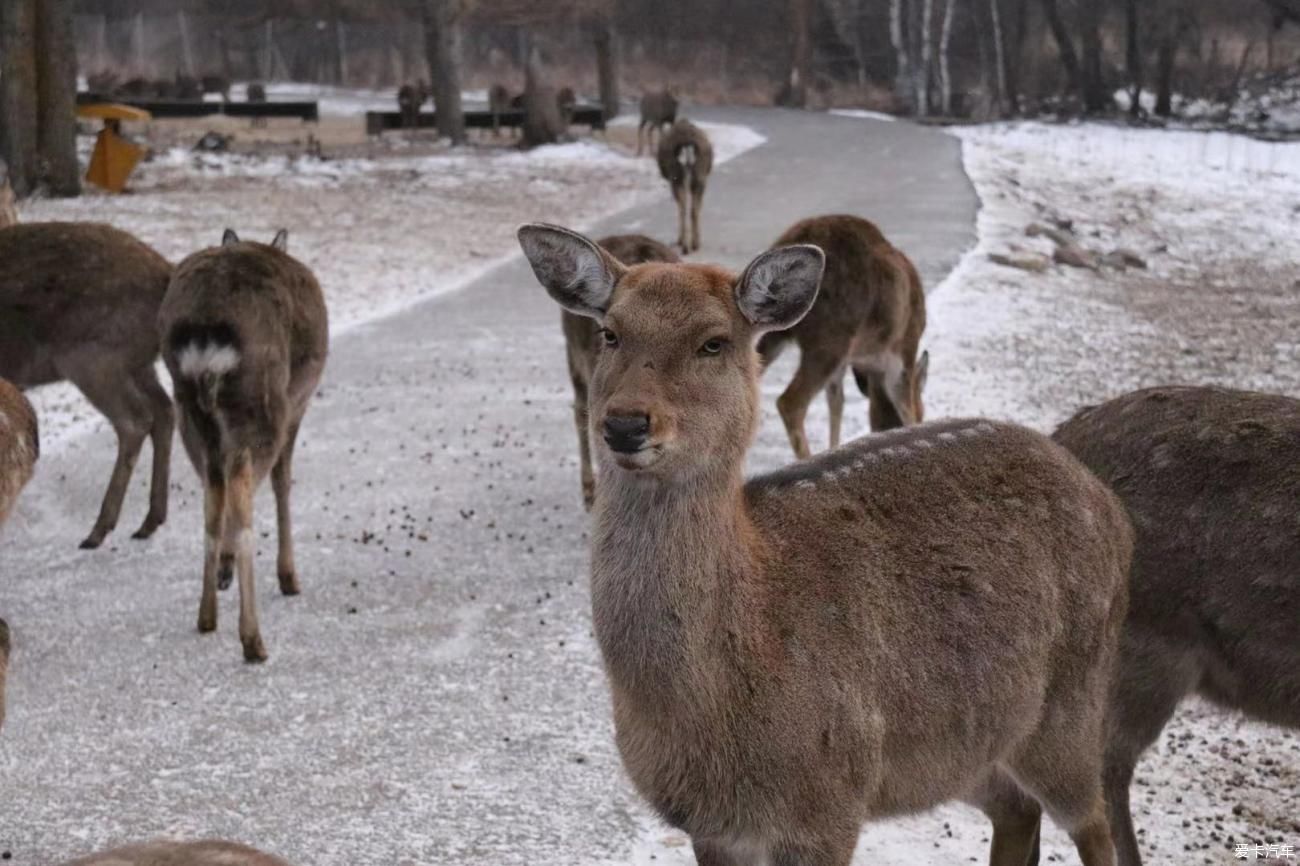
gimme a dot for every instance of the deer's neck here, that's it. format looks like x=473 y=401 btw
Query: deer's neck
x=665 y=562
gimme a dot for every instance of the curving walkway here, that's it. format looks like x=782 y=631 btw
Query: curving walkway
x=434 y=696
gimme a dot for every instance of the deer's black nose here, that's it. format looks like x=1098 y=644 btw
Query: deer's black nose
x=626 y=433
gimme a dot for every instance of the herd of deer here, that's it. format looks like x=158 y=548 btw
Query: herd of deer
x=961 y=610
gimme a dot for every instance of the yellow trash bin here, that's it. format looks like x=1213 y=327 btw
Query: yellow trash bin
x=114 y=157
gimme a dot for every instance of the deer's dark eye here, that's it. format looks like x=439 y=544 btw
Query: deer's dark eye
x=609 y=338
x=713 y=347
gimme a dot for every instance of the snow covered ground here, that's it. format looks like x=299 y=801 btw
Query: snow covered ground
x=428 y=224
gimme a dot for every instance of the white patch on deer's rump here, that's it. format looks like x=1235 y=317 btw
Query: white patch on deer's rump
x=196 y=360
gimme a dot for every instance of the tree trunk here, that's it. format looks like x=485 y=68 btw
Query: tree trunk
x=999 y=57
x=945 y=78
x=542 y=121
x=56 y=92
x=1133 y=57
x=442 y=46
x=607 y=63
x=1166 y=54
x=1069 y=59
x=18 y=93
x=794 y=92
x=1094 y=90
x=903 y=74
x=921 y=72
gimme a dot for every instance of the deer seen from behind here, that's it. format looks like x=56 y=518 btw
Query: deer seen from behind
x=836 y=641
x=869 y=317
x=245 y=334
x=79 y=301
x=582 y=344
x=1211 y=479
x=658 y=109
x=685 y=160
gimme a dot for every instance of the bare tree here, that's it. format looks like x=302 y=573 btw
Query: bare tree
x=442 y=45
x=898 y=36
x=56 y=116
x=794 y=92
x=1064 y=45
x=921 y=72
x=1092 y=80
x=999 y=57
x=18 y=92
x=1133 y=56
x=945 y=76
x=606 y=42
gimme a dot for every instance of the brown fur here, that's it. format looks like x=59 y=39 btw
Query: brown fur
x=409 y=99
x=79 y=301
x=580 y=339
x=840 y=640
x=208 y=852
x=241 y=422
x=658 y=109
x=20 y=446
x=566 y=100
x=869 y=316
x=685 y=160
x=1211 y=478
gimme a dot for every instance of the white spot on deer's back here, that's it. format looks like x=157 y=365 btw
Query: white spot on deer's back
x=195 y=360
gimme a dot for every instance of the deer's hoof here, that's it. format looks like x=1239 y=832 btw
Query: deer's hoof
x=94 y=540
x=289 y=583
x=207 y=623
x=254 y=651
x=148 y=528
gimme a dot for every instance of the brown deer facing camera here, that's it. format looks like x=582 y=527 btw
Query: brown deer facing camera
x=245 y=335
x=685 y=161
x=79 y=301
x=1212 y=481
x=581 y=336
x=869 y=317
x=658 y=109
x=926 y=614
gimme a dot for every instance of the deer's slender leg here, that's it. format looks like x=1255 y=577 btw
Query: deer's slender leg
x=816 y=366
x=281 y=483
x=214 y=517
x=240 y=507
x=113 y=392
x=679 y=194
x=697 y=201
x=160 y=435
x=835 y=403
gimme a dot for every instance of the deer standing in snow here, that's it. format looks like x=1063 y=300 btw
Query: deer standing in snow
x=79 y=301
x=685 y=160
x=1212 y=480
x=868 y=317
x=658 y=109
x=245 y=335
x=923 y=615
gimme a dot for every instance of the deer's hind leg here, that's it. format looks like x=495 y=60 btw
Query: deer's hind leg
x=817 y=365
x=697 y=201
x=214 y=519
x=1016 y=818
x=160 y=436
x=835 y=405
x=113 y=391
x=281 y=483
x=239 y=507
x=679 y=195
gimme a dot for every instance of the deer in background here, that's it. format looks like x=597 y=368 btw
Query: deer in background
x=20 y=446
x=498 y=103
x=245 y=334
x=838 y=640
x=685 y=161
x=1211 y=479
x=658 y=109
x=869 y=316
x=582 y=344
x=79 y=301
x=409 y=99
x=208 y=852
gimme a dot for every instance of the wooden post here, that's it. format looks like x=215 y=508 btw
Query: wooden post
x=56 y=94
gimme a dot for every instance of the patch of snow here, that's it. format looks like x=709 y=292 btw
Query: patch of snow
x=863 y=114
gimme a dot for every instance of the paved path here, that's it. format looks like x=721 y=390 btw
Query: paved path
x=434 y=696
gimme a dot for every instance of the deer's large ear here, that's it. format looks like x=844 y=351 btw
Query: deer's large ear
x=779 y=287
x=578 y=274
x=229 y=237
x=281 y=240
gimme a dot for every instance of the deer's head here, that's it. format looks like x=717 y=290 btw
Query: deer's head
x=675 y=390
